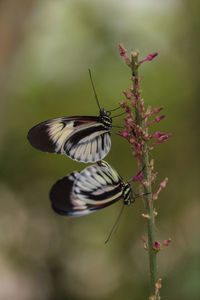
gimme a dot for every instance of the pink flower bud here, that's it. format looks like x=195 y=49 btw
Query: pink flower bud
x=132 y=141
x=129 y=121
x=164 y=138
x=127 y=95
x=164 y=183
x=157 y=109
x=138 y=177
x=148 y=111
x=158 y=134
x=162 y=186
x=123 y=134
x=137 y=146
x=136 y=98
x=166 y=242
x=148 y=58
x=158 y=118
x=151 y=56
x=143 y=239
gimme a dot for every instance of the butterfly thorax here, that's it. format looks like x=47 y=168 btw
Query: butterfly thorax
x=127 y=193
x=105 y=118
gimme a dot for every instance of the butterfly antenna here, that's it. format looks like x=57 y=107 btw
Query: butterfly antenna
x=140 y=195
x=119 y=115
x=115 y=226
x=95 y=94
x=112 y=132
x=116 y=126
x=114 y=109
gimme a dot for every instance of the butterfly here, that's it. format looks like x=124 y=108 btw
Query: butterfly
x=82 y=138
x=95 y=187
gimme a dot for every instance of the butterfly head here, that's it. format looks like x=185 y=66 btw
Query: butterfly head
x=105 y=117
x=128 y=194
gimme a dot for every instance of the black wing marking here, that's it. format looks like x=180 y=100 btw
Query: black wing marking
x=60 y=195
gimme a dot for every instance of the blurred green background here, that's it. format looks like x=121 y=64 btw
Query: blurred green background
x=45 y=51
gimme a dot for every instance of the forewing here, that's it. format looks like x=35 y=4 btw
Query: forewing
x=82 y=138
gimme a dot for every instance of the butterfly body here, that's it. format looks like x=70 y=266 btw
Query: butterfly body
x=82 y=138
x=84 y=192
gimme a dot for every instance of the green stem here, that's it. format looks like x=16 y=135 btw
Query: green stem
x=150 y=222
x=148 y=201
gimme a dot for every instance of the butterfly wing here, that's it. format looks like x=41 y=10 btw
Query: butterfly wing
x=61 y=194
x=94 y=188
x=84 y=139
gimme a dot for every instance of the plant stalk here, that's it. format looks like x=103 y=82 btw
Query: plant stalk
x=146 y=186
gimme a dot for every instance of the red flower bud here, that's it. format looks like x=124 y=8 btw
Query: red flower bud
x=156 y=244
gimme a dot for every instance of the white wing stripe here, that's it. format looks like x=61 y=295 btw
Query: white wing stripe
x=91 y=150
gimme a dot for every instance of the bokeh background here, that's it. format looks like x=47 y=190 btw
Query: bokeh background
x=46 y=48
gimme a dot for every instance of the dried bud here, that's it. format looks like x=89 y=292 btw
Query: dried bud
x=145 y=216
x=158 y=286
x=155 y=213
x=134 y=54
x=144 y=240
x=122 y=50
x=153 y=176
x=151 y=164
x=162 y=186
x=159 y=283
x=141 y=107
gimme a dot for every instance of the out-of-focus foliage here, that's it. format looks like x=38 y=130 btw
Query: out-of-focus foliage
x=45 y=52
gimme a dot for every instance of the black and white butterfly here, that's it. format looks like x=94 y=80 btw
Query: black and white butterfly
x=81 y=193
x=82 y=138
